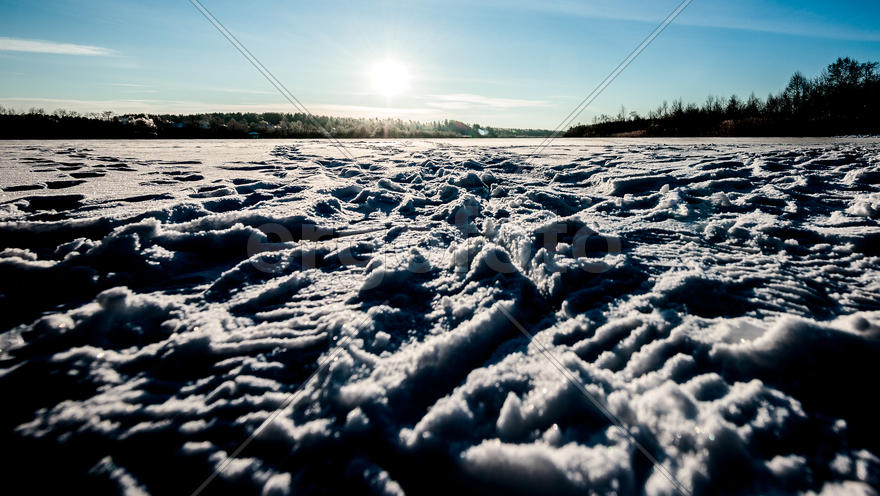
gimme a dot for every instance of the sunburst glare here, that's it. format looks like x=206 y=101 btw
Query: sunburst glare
x=389 y=78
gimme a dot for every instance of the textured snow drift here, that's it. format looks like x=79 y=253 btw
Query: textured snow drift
x=160 y=300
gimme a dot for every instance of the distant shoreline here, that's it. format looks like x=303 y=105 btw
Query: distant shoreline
x=62 y=124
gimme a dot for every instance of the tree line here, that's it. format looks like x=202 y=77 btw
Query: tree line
x=38 y=124
x=843 y=99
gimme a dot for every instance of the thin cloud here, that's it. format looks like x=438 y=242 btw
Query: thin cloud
x=43 y=46
x=367 y=111
x=128 y=105
x=468 y=100
x=238 y=90
x=200 y=87
x=184 y=107
x=790 y=22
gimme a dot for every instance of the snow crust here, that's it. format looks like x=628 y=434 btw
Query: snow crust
x=159 y=300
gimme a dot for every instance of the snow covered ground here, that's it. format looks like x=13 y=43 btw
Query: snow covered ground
x=160 y=301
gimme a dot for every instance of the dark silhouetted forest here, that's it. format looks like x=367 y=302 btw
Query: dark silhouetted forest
x=843 y=100
x=39 y=124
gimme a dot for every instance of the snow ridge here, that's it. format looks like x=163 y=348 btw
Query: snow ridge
x=721 y=298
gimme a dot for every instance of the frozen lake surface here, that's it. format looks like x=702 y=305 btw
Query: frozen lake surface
x=441 y=315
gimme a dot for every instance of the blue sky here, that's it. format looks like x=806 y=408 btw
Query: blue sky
x=504 y=63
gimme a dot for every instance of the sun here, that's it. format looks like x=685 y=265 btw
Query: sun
x=389 y=78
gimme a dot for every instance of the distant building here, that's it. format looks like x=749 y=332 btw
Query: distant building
x=253 y=135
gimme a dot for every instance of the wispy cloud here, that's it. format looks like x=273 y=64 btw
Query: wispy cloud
x=238 y=90
x=178 y=106
x=367 y=111
x=457 y=101
x=241 y=91
x=773 y=17
x=122 y=105
x=43 y=46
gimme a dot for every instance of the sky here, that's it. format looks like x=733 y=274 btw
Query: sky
x=514 y=63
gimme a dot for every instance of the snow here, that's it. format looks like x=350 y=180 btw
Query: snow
x=160 y=301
